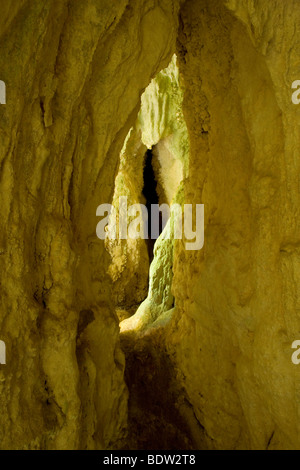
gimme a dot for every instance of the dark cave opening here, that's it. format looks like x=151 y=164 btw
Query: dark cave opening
x=151 y=196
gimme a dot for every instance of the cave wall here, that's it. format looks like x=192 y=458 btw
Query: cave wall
x=237 y=300
x=160 y=126
x=74 y=73
x=129 y=266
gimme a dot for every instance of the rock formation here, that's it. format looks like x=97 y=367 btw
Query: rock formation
x=204 y=354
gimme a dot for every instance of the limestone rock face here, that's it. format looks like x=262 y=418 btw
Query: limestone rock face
x=129 y=265
x=237 y=310
x=229 y=337
x=208 y=352
x=160 y=126
x=74 y=73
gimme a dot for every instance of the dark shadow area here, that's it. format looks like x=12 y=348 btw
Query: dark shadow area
x=160 y=416
x=150 y=194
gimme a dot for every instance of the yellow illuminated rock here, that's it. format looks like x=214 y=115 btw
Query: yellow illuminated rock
x=237 y=300
x=204 y=358
x=74 y=74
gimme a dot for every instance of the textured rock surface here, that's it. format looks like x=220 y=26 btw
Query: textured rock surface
x=160 y=125
x=129 y=265
x=214 y=369
x=237 y=300
x=74 y=72
x=229 y=338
